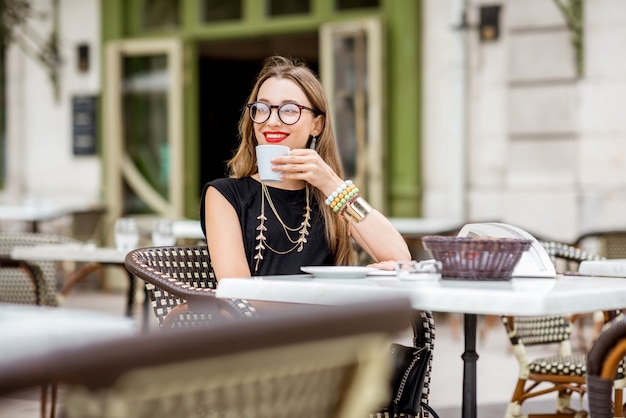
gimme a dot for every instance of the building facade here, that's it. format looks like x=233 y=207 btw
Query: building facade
x=460 y=109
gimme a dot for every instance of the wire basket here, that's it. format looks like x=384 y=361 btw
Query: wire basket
x=476 y=258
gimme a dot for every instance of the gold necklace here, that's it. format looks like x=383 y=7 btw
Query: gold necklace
x=302 y=230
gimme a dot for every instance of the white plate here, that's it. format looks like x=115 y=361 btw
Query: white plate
x=337 y=272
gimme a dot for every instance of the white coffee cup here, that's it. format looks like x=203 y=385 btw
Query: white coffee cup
x=264 y=155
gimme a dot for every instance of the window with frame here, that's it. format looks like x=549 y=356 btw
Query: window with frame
x=161 y=14
x=220 y=10
x=288 y=7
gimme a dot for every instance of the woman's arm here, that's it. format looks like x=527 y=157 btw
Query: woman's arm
x=375 y=234
x=379 y=238
x=223 y=233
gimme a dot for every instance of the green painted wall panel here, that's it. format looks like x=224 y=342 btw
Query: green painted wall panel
x=403 y=116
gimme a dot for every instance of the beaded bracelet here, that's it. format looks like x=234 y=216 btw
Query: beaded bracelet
x=341 y=200
x=340 y=189
x=343 y=197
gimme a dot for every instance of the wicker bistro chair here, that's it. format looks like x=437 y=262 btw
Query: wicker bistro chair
x=567 y=258
x=180 y=284
x=41 y=285
x=563 y=373
x=608 y=244
x=604 y=365
x=310 y=362
x=31 y=283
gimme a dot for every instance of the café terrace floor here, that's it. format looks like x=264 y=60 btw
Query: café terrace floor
x=497 y=368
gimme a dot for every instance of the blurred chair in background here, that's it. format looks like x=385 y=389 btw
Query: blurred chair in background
x=31 y=282
x=567 y=259
x=19 y=290
x=564 y=373
x=607 y=244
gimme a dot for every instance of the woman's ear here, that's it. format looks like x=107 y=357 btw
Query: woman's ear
x=318 y=125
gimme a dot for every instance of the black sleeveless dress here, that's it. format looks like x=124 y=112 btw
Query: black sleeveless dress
x=245 y=195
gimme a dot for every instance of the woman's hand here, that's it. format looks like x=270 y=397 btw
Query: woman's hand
x=307 y=165
x=384 y=265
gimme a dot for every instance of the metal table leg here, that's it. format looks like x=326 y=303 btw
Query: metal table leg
x=130 y=302
x=469 y=366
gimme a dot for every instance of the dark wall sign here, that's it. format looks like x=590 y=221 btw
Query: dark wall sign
x=84 y=129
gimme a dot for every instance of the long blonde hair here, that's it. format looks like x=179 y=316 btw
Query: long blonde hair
x=243 y=164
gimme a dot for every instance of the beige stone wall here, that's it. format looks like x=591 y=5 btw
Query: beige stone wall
x=545 y=148
x=41 y=165
x=601 y=152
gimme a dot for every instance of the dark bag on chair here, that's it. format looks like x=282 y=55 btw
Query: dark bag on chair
x=409 y=368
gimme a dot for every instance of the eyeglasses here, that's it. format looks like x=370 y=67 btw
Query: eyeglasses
x=288 y=113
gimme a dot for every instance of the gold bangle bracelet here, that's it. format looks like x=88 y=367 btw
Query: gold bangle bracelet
x=357 y=210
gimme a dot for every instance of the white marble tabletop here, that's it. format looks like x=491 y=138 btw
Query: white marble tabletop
x=69 y=252
x=519 y=296
x=29 y=331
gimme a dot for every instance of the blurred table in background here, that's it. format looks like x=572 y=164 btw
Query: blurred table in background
x=188 y=229
x=413 y=229
x=29 y=331
x=94 y=257
x=34 y=213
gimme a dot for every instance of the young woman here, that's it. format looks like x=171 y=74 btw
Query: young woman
x=253 y=228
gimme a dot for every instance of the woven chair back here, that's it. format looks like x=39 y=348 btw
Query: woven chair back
x=174 y=273
x=14 y=288
x=424 y=336
x=608 y=244
x=188 y=266
x=538 y=330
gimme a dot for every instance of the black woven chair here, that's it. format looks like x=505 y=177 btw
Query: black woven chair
x=423 y=324
x=563 y=373
x=424 y=336
x=180 y=283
